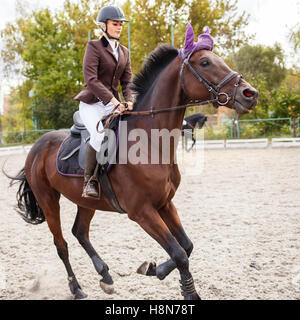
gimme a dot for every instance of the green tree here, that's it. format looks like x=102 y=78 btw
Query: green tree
x=47 y=48
x=51 y=47
x=295 y=37
x=262 y=63
x=287 y=103
x=151 y=24
x=264 y=68
x=227 y=26
x=287 y=99
x=19 y=117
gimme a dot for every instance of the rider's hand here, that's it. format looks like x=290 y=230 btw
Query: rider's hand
x=121 y=107
x=130 y=105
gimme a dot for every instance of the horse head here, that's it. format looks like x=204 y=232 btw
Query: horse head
x=216 y=80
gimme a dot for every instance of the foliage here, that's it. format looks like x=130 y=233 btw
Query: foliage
x=22 y=137
x=224 y=21
x=214 y=131
x=150 y=24
x=51 y=47
x=295 y=37
x=262 y=64
x=287 y=103
x=264 y=129
x=264 y=68
x=47 y=49
x=19 y=116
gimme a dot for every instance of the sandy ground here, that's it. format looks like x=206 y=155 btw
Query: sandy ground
x=243 y=209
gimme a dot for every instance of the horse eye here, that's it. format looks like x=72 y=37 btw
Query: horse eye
x=204 y=63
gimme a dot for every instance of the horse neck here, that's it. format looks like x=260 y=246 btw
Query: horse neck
x=166 y=92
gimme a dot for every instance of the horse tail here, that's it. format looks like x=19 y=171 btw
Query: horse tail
x=27 y=206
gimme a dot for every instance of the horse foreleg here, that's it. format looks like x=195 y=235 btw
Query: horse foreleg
x=194 y=141
x=81 y=231
x=170 y=217
x=151 y=221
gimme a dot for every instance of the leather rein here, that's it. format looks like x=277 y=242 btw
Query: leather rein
x=212 y=88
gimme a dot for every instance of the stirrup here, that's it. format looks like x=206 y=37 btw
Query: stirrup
x=85 y=187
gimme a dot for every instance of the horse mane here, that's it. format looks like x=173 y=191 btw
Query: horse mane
x=196 y=118
x=157 y=60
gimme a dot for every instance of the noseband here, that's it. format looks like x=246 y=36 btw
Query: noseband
x=212 y=88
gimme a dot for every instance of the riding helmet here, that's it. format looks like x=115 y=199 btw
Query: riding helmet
x=110 y=13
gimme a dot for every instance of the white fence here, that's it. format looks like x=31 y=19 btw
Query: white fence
x=211 y=144
x=286 y=143
x=248 y=144
x=206 y=144
x=233 y=144
x=14 y=150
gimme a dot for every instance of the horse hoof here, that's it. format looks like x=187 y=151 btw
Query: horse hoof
x=79 y=295
x=142 y=269
x=193 y=296
x=107 y=288
x=147 y=269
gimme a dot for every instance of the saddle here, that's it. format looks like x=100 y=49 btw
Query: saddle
x=70 y=159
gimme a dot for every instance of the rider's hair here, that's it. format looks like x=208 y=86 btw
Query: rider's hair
x=98 y=32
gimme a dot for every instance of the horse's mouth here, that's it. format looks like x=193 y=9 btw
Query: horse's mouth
x=242 y=109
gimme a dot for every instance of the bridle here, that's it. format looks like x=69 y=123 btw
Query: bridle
x=212 y=88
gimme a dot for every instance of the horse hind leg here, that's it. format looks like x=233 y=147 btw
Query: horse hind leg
x=48 y=200
x=81 y=231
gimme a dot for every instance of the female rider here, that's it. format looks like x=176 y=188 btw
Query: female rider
x=106 y=63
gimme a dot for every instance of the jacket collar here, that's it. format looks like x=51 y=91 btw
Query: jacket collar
x=108 y=47
x=104 y=41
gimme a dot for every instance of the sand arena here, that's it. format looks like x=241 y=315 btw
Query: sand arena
x=242 y=213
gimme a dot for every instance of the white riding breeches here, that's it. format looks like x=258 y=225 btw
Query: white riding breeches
x=90 y=115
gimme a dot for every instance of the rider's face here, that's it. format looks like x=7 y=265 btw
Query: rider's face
x=114 y=28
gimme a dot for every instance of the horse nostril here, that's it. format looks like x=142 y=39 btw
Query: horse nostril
x=248 y=93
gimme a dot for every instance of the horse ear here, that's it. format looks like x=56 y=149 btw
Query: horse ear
x=189 y=39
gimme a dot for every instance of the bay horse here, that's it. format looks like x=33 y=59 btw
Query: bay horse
x=167 y=81
x=188 y=127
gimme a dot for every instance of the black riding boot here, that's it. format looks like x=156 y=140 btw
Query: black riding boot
x=90 y=185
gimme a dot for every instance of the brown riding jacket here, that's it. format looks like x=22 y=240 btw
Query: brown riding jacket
x=102 y=73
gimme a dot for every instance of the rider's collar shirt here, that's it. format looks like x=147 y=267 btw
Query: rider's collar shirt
x=114 y=45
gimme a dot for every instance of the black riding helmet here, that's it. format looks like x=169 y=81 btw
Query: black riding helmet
x=110 y=13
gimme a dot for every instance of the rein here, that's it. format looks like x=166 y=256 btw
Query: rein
x=184 y=106
x=151 y=112
x=213 y=89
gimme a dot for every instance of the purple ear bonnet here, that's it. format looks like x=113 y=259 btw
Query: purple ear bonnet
x=205 y=42
x=189 y=43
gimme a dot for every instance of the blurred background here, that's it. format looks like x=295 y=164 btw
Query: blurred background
x=43 y=42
